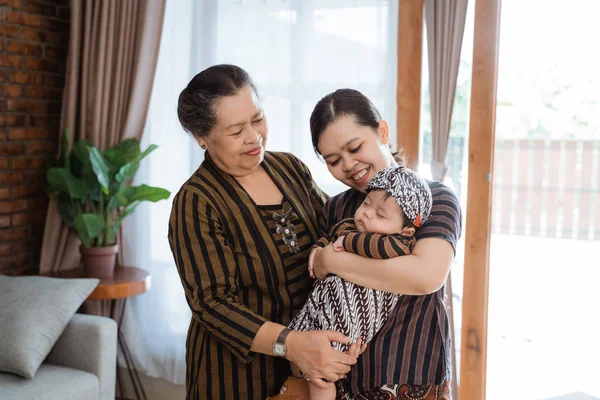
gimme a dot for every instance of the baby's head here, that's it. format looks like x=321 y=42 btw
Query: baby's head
x=398 y=201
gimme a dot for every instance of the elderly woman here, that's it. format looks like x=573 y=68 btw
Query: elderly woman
x=241 y=230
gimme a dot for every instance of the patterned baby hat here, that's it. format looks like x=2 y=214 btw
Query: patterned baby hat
x=410 y=191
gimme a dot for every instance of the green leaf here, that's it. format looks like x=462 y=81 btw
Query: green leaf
x=127 y=172
x=80 y=154
x=82 y=166
x=100 y=169
x=66 y=209
x=123 y=153
x=113 y=202
x=127 y=212
x=115 y=187
x=95 y=192
x=88 y=227
x=61 y=179
x=144 y=193
x=149 y=150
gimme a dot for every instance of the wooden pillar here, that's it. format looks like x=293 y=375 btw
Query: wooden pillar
x=408 y=95
x=479 y=201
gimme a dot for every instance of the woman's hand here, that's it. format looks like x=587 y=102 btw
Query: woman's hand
x=357 y=348
x=314 y=356
x=320 y=261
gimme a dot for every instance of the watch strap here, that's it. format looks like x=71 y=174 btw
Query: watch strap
x=283 y=335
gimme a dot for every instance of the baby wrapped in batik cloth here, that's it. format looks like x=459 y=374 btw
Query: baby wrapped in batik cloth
x=397 y=203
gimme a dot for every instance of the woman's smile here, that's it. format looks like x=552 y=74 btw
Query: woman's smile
x=361 y=176
x=255 y=151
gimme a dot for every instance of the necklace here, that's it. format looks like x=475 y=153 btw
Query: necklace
x=286 y=229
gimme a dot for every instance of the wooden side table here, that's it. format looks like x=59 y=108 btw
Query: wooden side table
x=126 y=282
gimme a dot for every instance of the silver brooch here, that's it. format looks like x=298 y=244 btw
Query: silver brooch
x=285 y=228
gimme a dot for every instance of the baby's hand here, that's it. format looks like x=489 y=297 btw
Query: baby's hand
x=339 y=244
x=311 y=261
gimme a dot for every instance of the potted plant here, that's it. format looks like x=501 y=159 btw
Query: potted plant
x=94 y=196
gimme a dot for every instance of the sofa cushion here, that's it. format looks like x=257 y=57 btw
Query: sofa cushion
x=51 y=382
x=34 y=311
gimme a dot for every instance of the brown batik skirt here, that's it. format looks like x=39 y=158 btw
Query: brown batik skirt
x=398 y=392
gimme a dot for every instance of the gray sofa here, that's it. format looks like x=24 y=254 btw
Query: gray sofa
x=81 y=365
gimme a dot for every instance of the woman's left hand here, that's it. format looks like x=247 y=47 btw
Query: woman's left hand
x=357 y=348
x=321 y=261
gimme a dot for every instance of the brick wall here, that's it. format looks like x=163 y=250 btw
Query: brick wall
x=33 y=50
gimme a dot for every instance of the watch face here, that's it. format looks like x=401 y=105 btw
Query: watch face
x=279 y=349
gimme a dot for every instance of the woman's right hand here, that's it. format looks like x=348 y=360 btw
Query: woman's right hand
x=314 y=356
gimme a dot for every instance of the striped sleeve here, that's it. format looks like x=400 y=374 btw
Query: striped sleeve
x=207 y=269
x=322 y=242
x=338 y=230
x=377 y=245
x=445 y=221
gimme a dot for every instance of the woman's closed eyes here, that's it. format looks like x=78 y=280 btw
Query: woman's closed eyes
x=352 y=151
x=356 y=149
x=257 y=121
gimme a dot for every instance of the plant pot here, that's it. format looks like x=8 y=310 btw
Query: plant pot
x=99 y=262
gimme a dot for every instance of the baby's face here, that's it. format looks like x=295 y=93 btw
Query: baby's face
x=378 y=214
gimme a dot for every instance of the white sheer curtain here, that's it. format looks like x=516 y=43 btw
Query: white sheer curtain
x=296 y=51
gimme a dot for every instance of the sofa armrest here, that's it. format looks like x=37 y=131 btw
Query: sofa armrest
x=89 y=343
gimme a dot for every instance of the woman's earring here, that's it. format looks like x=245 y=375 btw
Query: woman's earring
x=203 y=147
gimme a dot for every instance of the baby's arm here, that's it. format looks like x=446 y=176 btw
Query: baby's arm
x=377 y=245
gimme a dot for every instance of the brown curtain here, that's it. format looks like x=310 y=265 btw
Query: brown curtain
x=112 y=58
x=445 y=21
